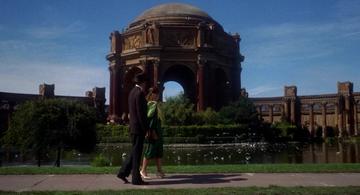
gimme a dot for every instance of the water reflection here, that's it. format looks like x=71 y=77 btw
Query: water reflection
x=244 y=153
x=248 y=153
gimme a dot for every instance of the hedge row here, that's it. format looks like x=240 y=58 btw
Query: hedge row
x=111 y=130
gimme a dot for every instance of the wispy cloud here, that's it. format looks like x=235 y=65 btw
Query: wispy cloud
x=69 y=79
x=352 y=34
x=290 y=42
x=55 y=31
x=40 y=57
x=265 y=89
x=313 y=55
x=15 y=47
x=347 y=8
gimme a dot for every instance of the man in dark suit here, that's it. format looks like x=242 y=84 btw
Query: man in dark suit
x=138 y=129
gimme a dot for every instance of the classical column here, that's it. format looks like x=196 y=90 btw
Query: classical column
x=111 y=91
x=357 y=151
x=356 y=127
x=324 y=120
x=259 y=110
x=340 y=106
x=114 y=57
x=311 y=116
x=293 y=111
x=325 y=152
x=116 y=116
x=336 y=115
x=200 y=34
x=313 y=154
x=271 y=113
x=282 y=111
x=156 y=64
x=341 y=152
x=286 y=109
x=200 y=77
x=347 y=115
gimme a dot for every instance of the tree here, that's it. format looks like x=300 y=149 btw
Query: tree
x=55 y=124
x=242 y=111
x=177 y=110
x=207 y=117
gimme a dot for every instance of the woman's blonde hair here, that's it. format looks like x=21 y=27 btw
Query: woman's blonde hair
x=152 y=91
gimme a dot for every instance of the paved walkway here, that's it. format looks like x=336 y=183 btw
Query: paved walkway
x=105 y=182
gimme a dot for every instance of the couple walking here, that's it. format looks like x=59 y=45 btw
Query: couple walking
x=144 y=123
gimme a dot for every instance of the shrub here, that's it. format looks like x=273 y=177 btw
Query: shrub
x=207 y=117
x=106 y=132
x=288 y=132
x=100 y=161
x=330 y=131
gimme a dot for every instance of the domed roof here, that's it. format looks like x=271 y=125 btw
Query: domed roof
x=172 y=9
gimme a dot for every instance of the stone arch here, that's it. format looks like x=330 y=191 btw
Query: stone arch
x=330 y=106
x=317 y=106
x=278 y=108
x=183 y=75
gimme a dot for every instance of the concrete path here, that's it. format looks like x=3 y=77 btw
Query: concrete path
x=111 y=182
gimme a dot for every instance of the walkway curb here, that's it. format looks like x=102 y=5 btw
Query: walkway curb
x=92 y=182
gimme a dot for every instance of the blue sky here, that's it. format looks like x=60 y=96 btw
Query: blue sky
x=310 y=44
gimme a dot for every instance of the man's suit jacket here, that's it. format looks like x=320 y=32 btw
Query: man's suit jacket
x=138 y=111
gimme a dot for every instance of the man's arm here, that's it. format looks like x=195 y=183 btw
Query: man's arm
x=141 y=110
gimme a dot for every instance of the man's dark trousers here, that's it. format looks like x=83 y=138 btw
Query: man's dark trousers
x=134 y=159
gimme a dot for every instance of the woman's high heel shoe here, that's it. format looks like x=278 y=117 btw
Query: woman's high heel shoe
x=144 y=175
x=160 y=174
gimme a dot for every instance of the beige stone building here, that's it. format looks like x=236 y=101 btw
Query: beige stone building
x=338 y=111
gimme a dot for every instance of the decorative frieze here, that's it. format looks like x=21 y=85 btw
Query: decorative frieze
x=172 y=37
x=132 y=41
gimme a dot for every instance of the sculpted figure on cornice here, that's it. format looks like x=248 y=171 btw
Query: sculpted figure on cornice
x=208 y=34
x=290 y=91
x=150 y=34
x=113 y=43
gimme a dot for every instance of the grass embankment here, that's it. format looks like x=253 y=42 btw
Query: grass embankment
x=250 y=168
x=234 y=190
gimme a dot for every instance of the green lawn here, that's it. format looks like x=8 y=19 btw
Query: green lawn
x=250 y=168
x=235 y=190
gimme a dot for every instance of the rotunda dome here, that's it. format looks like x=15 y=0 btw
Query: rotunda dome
x=172 y=10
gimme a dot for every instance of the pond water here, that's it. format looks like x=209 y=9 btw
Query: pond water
x=186 y=154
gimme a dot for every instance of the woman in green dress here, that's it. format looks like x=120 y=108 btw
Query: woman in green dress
x=154 y=149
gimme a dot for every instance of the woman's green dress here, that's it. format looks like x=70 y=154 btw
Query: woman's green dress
x=154 y=148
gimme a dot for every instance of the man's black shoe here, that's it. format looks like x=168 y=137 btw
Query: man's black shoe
x=123 y=178
x=140 y=183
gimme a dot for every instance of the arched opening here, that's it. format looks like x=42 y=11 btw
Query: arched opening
x=185 y=77
x=221 y=88
x=171 y=88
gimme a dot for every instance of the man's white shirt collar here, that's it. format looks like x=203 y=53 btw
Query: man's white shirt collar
x=139 y=86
